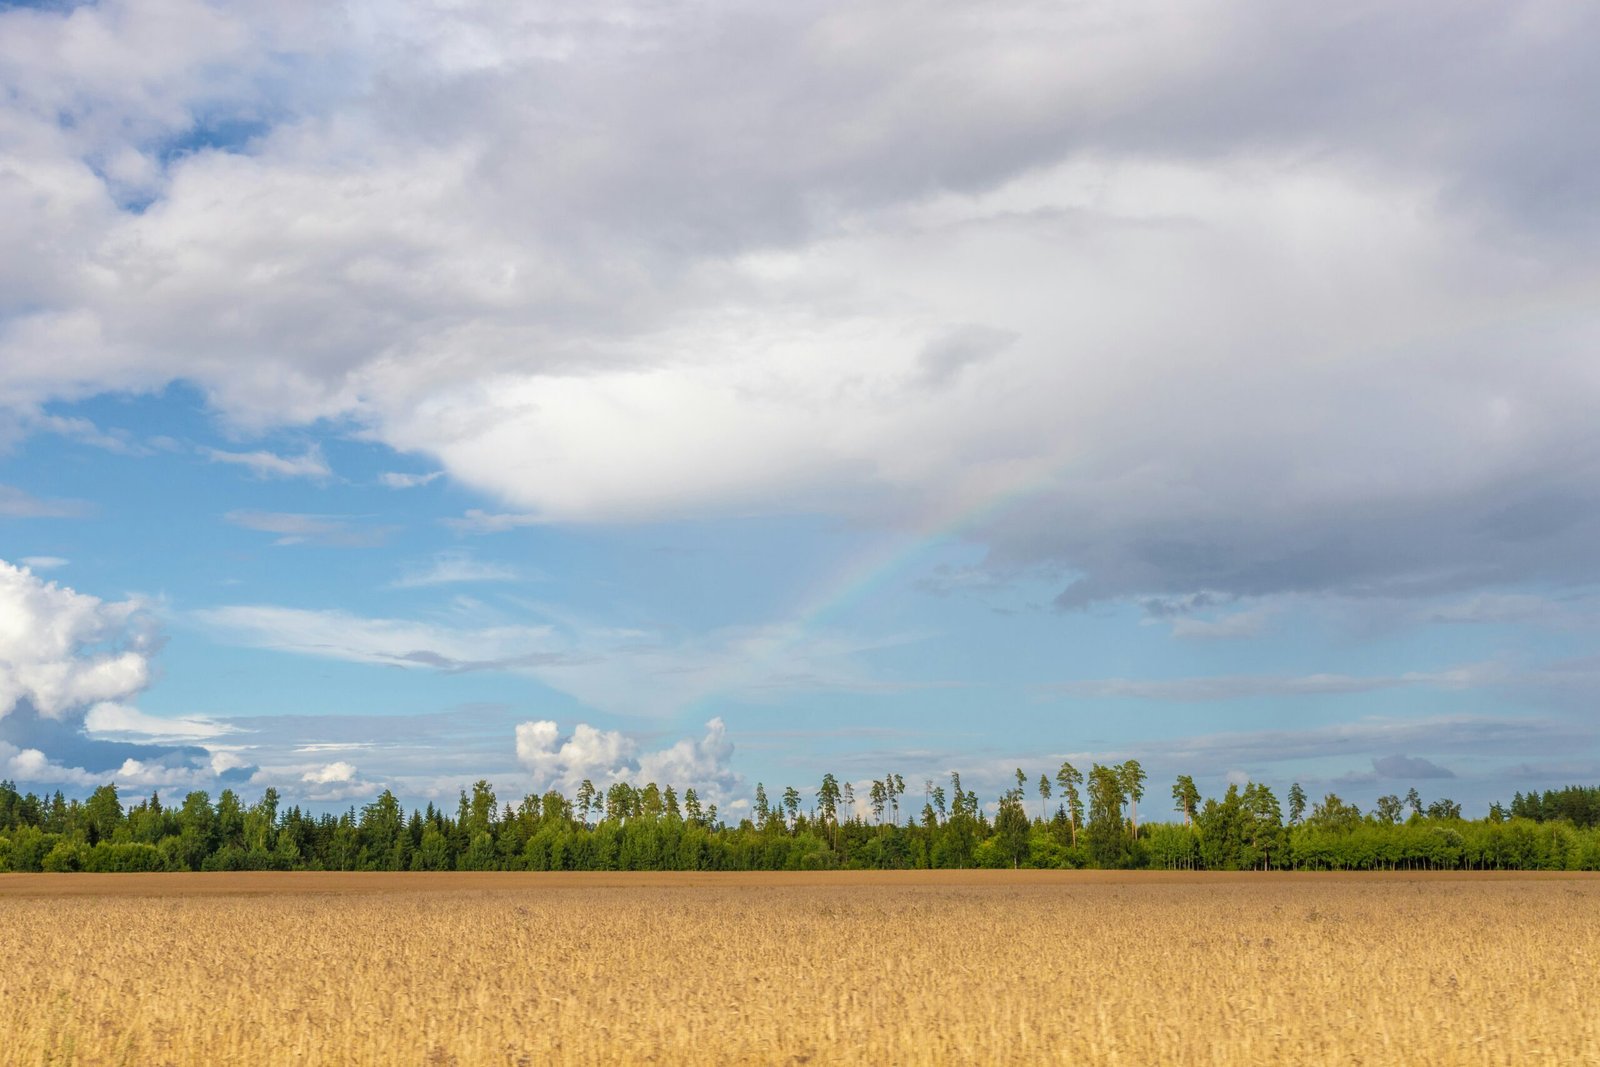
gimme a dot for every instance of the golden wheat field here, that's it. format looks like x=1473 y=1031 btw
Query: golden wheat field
x=905 y=968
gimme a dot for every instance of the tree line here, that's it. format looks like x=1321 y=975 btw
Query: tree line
x=1094 y=823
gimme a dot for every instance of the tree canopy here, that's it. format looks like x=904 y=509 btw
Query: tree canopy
x=630 y=827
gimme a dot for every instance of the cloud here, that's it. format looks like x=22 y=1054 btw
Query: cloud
x=389 y=642
x=114 y=720
x=330 y=782
x=16 y=504
x=625 y=671
x=71 y=754
x=587 y=753
x=946 y=356
x=84 y=431
x=1409 y=767
x=61 y=650
x=297 y=529
x=44 y=563
x=606 y=756
x=1238 y=624
x=69 y=664
x=329 y=773
x=309 y=464
x=477 y=521
x=426 y=755
x=399 y=480
x=704 y=763
x=448 y=568
x=31 y=765
x=1248 y=686
x=1483 y=736
x=1250 y=258
x=1504 y=608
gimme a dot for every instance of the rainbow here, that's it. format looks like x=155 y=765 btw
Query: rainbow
x=870 y=570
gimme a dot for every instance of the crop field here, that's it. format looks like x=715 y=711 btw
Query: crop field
x=892 y=968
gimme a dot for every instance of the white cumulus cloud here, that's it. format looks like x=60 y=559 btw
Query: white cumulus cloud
x=329 y=773
x=605 y=756
x=61 y=650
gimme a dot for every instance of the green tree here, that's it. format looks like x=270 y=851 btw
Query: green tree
x=1132 y=777
x=650 y=803
x=483 y=807
x=1334 y=814
x=1107 y=841
x=1069 y=778
x=1297 y=804
x=197 y=827
x=1044 y=797
x=1444 y=808
x=230 y=820
x=382 y=824
x=1264 y=827
x=586 y=800
x=103 y=811
x=621 y=802
x=828 y=805
x=1186 y=798
x=434 y=853
x=1011 y=827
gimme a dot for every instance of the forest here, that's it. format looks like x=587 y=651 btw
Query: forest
x=1093 y=823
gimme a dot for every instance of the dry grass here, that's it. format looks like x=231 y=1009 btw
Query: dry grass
x=1037 y=967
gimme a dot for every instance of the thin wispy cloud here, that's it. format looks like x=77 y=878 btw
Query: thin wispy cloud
x=126 y=722
x=18 y=504
x=401 y=480
x=263 y=464
x=1245 y=687
x=295 y=528
x=1226 y=627
x=86 y=432
x=451 y=568
x=618 y=669
x=478 y=521
x=1477 y=735
x=387 y=642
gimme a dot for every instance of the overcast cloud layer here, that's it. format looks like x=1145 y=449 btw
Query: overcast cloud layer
x=1189 y=306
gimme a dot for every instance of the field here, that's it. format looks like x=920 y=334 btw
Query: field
x=893 y=968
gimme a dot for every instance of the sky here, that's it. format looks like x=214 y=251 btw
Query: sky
x=394 y=395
